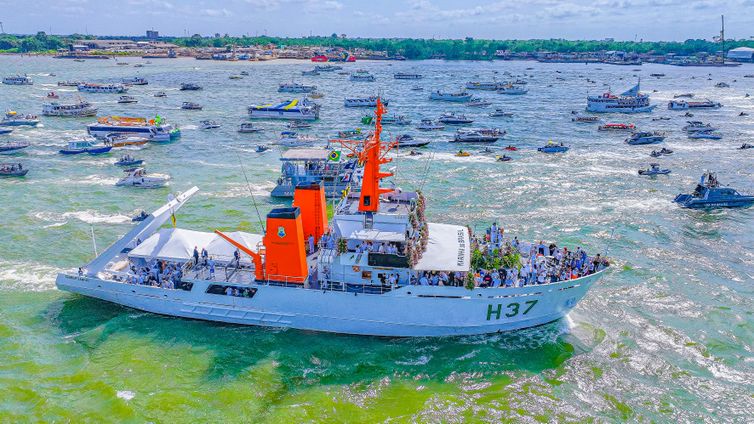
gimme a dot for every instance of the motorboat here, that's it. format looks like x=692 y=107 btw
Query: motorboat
x=141 y=216
x=208 y=124
x=657 y=75
x=500 y=113
x=654 y=169
x=262 y=148
x=13 y=147
x=686 y=105
x=14 y=119
x=503 y=158
x=429 y=125
x=661 y=118
x=85 y=146
x=361 y=76
x=138 y=178
x=13 y=170
x=127 y=99
x=18 y=80
x=160 y=94
x=350 y=291
x=478 y=103
x=189 y=86
x=349 y=133
x=316 y=95
x=102 y=88
x=415 y=153
x=244 y=73
x=370 y=101
x=706 y=135
x=248 y=127
x=684 y=95
x=191 y=106
x=483 y=85
x=134 y=81
x=292 y=139
x=4 y=131
x=311 y=73
x=585 y=119
x=511 y=148
x=661 y=152
x=327 y=68
x=645 y=137
x=722 y=85
x=71 y=110
x=302 y=110
x=746 y=146
x=512 y=89
x=129 y=161
x=617 y=127
x=552 y=147
x=299 y=125
x=454 y=119
x=710 y=194
x=52 y=95
x=69 y=83
x=394 y=120
x=698 y=126
x=296 y=88
x=472 y=136
x=459 y=97
x=405 y=141
x=118 y=140
x=235 y=77
x=417 y=88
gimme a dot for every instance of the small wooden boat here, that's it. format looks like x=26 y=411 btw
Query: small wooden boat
x=129 y=160
x=12 y=170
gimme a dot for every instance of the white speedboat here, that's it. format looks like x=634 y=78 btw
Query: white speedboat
x=501 y=113
x=293 y=139
x=304 y=110
x=248 y=127
x=645 y=137
x=512 y=90
x=127 y=99
x=208 y=124
x=191 y=106
x=697 y=126
x=14 y=119
x=138 y=177
x=429 y=125
x=374 y=268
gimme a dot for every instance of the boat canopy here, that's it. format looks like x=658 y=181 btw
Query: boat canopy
x=448 y=249
x=176 y=244
x=306 y=154
x=377 y=235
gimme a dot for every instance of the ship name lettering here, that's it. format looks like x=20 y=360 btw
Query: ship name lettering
x=511 y=309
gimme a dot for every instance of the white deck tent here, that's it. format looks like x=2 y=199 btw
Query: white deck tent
x=448 y=249
x=176 y=244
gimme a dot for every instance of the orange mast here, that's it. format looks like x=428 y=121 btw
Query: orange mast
x=372 y=155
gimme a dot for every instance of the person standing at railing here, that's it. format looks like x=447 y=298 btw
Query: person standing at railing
x=196 y=256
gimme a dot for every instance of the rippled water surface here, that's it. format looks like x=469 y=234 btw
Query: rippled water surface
x=666 y=336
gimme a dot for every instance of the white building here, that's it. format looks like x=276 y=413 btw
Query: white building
x=741 y=54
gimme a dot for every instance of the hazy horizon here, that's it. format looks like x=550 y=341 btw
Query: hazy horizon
x=648 y=20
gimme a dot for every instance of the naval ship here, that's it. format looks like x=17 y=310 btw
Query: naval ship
x=312 y=273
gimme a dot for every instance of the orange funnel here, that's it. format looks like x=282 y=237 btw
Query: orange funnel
x=285 y=255
x=310 y=199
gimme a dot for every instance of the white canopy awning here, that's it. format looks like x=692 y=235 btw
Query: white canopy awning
x=377 y=235
x=448 y=249
x=176 y=244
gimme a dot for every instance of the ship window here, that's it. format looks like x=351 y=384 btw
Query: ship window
x=366 y=275
x=236 y=291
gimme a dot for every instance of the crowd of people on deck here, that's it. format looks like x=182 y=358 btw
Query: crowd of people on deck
x=158 y=273
x=378 y=247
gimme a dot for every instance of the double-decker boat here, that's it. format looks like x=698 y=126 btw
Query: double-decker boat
x=85 y=146
x=377 y=267
x=102 y=88
x=460 y=96
x=71 y=110
x=295 y=109
x=319 y=166
x=296 y=88
x=686 y=105
x=18 y=80
x=631 y=101
x=407 y=76
x=370 y=101
x=143 y=127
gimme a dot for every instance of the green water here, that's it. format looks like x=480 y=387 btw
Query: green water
x=666 y=336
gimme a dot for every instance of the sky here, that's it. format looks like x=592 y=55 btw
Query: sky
x=495 y=19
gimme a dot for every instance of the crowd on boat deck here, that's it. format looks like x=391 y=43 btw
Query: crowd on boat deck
x=11 y=167
x=158 y=273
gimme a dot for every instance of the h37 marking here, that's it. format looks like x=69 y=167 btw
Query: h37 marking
x=511 y=309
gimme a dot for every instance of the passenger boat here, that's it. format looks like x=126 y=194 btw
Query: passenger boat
x=695 y=126
x=460 y=96
x=370 y=101
x=478 y=103
x=85 y=146
x=189 y=86
x=631 y=101
x=454 y=119
x=127 y=99
x=13 y=119
x=72 y=110
x=394 y=120
x=310 y=73
x=118 y=140
x=406 y=76
x=686 y=105
x=485 y=86
x=325 y=167
x=138 y=178
x=617 y=127
x=135 y=81
x=709 y=194
x=191 y=106
x=654 y=169
x=155 y=128
x=585 y=119
x=327 y=68
x=405 y=141
x=18 y=80
x=512 y=89
x=708 y=135
x=304 y=110
x=552 y=147
x=645 y=137
x=248 y=127
x=208 y=124
x=361 y=76
x=102 y=88
x=292 y=139
x=129 y=161
x=281 y=282
x=428 y=125
x=13 y=170
x=69 y=83
x=500 y=113
x=13 y=147
x=296 y=88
